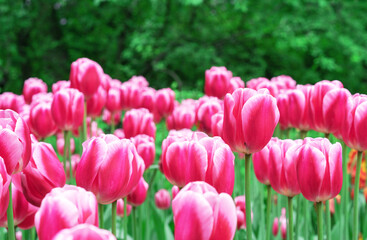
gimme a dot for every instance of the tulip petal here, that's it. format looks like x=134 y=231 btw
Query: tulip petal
x=11 y=149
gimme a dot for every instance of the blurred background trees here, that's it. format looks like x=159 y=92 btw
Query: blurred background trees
x=172 y=42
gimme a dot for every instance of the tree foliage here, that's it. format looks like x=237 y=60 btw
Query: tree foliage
x=172 y=42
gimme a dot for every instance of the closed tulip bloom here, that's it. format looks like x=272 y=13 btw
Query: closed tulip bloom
x=217 y=81
x=301 y=104
x=164 y=103
x=113 y=100
x=162 y=199
x=109 y=167
x=33 y=86
x=284 y=113
x=250 y=118
x=86 y=75
x=67 y=109
x=139 y=193
x=146 y=99
x=96 y=103
x=283 y=166
x=202 y=213
x=182 y=117
x=252 y=83
x=270 y=86
x=205 y=109
x=275 y=228
x=5 y=180
x=120 y=208
x=240 y=202
x=138 y=121
x=217 y=124
x=106 y=117
x=41 y=121
x=284 y=82
x=139 y=81
x=43 y=173
x=65 y=208
x=120 y=134
x=174 y=191
x=283 y=228
x=145 y=147
x=57 y=86
x=9 y=100
x=15 y=141
x=319 y=169
x=234 y=83
x=84 y=232
x=23 y=211
x=261 y=162
x=106 y=82
x=128 y=95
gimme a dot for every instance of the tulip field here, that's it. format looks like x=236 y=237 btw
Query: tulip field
x=95 y=157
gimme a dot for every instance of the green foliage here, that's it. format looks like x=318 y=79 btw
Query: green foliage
x=175 y=41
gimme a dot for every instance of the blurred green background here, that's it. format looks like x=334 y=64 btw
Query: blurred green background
x=172 y=42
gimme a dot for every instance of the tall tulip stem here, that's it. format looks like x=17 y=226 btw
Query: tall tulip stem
x=113 y=218
x=84 y=134
x=355 y=200
x=67 y=136
x=100 y=213
x=290 y=217
x=134 y=222
x=268 y=210
x=125 y=218
x=112 y=122
x=298 y=213
x=9 y=212
x=345 y=197
x=328 y=220
x=319 y=220
x=248 y=196
x=64 y=157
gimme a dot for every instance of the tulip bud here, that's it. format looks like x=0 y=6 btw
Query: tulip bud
x=120 y=208
x=57 y=86
x=33 y=86
x=96 y=103
x=139 y=81
x=146 y=148
x=139 y=194
x=174 y=191
x=138 y=121
x=162 y=199
x=41 y=121
x=217 y=81
x=275 y=227
x=9 y=100
x=84 y=232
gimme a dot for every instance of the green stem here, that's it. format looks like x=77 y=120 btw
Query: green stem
x=155 y=170
x=356 y=196
x=9 y=212
x=67 y=137
x=319 y=220
x=84 y=132
x=112 y=122
x=248 y=196
x=303 y=134
x=345 y=197
x=306 y=217
x=296 y=231
x=328 y=220
x=33 y=232
x=290 y=218
x=134 y=222
x=113 y=218
x=125 y=218
x=100 y=212
x=64 y=157
x=268 y=209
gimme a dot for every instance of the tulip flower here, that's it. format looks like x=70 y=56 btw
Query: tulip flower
x=240 y=202
x=275 y=227
x=113 y=103
x=217 y=124
x=162 y=199
x=146 y=99
x=174 y=191
x=67 y=109
x=106 y=82
x=139 y=193
x=43 y=173
x=217 y=81
x=60 y=144
x=319 y=172
x=128 y=95
x=138 y=121
x=98 y=172
x=145 y=147
x=120 y=134
x=183 y=116
x=205 y=109
x=284 y=82
x=139 y=81
x=164 y=103
x=121 y=209
x=96 y=103
x=86 y=76
x=52 y=216
x=107 y=117
x=199 y=212
x=57 y=86
x=270 y=86
x=9 y=100
x=5 y=181
x=235 y=83
x=33 y=86
x=84 y=232
x=23 y=211
x=252 y=83
x=41 y=121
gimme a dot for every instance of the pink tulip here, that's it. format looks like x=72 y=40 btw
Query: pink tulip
x=115 y=83
x=65 y=208
x=33 y=86
x=174 y=191
x=86 y=76
x=96 y=103
x=138 y=121
x=164 y=103
x=109 y=167
x=249 y=119
x=18 y=235
x=162 y=199
x=301 y=104
x=15 y=141
x=261 y=162
x=23 y=211
x=106 y=116
x=283 y=228
x=270 y=86
x=106 y=82
x=205 y=109
x=234 y=83
x=41 y=121
x=355 y=123
x=217 y=81
x=283 y=166
x=43 y=173
x=84 y=232
x=275 y=228
x=240 y=202
x=57 y=86
x=120 y=208
x=67 y=109
x=217 y=124
x=183 y=116
x=129 y=92
x=146 y=99
x=252 y=83
x=120 y=134
x=284 y=113
x=9 y=100
x=5 y=180
x=284 y=82
x=139 y=193
x=199 y=212
x=319 y=169
x=60 y=143
x=139 y=81
x=145 y=147
x=113 y=100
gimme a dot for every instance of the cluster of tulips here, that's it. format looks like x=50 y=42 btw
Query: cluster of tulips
x=67 y=199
